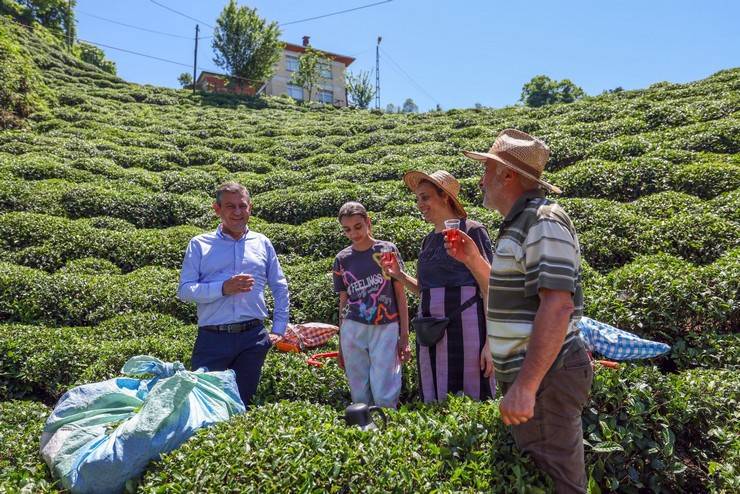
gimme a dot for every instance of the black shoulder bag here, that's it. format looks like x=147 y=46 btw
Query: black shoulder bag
x=429 y=330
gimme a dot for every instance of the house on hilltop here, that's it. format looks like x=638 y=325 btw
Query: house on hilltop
x=331 y=88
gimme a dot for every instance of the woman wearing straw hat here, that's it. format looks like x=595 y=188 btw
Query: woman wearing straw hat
x=451 y=344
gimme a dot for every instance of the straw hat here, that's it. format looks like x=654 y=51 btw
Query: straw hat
x=521 y=152
x=442 y=179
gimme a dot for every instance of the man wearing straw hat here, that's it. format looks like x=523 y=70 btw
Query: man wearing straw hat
x=534 y=300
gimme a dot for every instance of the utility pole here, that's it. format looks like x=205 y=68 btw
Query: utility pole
x=195 y=57
x=69 y=25
x=377 y=74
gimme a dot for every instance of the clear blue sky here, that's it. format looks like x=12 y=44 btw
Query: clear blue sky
x=459 y=52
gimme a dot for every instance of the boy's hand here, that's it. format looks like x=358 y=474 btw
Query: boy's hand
x=274 y=338
x=404 y=352
x=340 y=359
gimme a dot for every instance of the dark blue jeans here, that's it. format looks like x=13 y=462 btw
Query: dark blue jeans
x=243 y=352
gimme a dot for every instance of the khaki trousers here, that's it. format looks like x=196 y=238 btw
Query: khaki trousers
x=554 y=436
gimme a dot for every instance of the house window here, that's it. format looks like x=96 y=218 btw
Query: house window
x=295 y=92
x=291 y=63
x=326 y=96
x=325 y=70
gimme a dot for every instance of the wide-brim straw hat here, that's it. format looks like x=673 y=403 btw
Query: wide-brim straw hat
x=442 y=179
x=521 y=152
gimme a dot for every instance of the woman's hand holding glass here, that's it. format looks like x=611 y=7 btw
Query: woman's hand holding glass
x=462 y=248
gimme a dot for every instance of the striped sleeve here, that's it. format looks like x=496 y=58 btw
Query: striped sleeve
x=552 y=257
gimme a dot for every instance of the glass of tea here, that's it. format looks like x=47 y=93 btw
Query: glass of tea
x=452 y=231
x=386 y=253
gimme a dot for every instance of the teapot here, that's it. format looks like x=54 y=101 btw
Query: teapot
x=360 y=414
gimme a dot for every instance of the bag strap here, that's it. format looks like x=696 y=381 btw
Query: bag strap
x=468 y=303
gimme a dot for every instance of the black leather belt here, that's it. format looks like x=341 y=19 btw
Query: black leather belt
x=236 y=327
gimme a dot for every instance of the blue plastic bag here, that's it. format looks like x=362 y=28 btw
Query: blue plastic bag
x=101 y=435
x=617 y=344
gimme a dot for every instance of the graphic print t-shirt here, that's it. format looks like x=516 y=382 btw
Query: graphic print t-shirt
x=370 y=296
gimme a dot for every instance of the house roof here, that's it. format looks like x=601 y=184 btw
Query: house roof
x=205 y=73
x=346 y=60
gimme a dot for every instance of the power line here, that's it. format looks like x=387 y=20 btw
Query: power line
x=134 y=52
x=284 y=23
x=180 y=13
x=164 y=60
x=132 y=26
x=411 y=79
x=145 y=55
x=334 y=13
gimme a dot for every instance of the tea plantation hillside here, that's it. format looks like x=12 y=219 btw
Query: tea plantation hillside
x=102 y=186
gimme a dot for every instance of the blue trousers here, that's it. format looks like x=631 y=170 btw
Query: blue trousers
x=243 y=352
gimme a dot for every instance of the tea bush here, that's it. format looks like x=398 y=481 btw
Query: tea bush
x=21 y=466
x=460 y=445
x=43 y=361
x=28 y=295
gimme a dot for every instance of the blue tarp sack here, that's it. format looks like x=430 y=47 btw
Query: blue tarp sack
x=101 y=435
x=617 y=344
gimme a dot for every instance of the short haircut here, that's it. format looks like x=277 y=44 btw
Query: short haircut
x=352 y=208
x=233 y=187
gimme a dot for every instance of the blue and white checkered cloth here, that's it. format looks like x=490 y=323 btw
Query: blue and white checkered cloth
x=616 y=344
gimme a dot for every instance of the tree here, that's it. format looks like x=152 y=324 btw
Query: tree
x=391 y=108
x=360 y=89
x=542 y=90
x=246 y=46
x=567 y=92
x=409 y=106
x=185 y=80
x=617 y=89
x=55 y=15
x=308 y=74
x=94 y=55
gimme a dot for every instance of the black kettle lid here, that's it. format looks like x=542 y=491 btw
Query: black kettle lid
x=356 y=407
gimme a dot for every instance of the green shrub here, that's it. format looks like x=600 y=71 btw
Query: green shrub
x=91 y=266
x=664 y=205
x=298 y=205
x=63 y=240
x=707 y=350
x=460 y=445
x=22 y=90
x=606 y=231
x=661 y=297
x=188 y=180
x=727 y=205
x=619 y=148
x=699 y=238
x=28 y=295
x=706 y=180
x=616 y=181
x=21 y=466
x=649 y=431
x=45 y=361
x=200 y=155
x=312 y=295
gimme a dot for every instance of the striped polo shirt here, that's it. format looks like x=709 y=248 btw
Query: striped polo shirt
x=537 y=247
